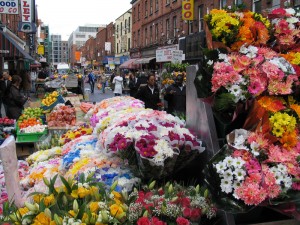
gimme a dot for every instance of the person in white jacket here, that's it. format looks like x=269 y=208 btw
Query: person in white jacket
x=118 y=82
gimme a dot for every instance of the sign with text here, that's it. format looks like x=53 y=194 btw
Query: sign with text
x=188 y=9
x=177 y=56
x=107 y=46
x=165 y=54
x=41 y=49
x=77 y=55
x=9 y=6
x=26 y=10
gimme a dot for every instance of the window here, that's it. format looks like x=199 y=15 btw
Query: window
x=200 y=17
x=121 y=29
x=151 y=7
x=117 y=47
x=129 y=25
x=296 y=2
x=275 y=4
x=151 y=33
x=133 y=15
x=128 y=43
x=139 y=11
x=223 y=3
x=257 y=6
x=134 y=40
x=167 y=28
x=174 y=26
x=238 y=2
x=146 y=37
x=190 y=27
x=156 y=32
x=117 y=31
x=138 y=38
x=125 y=26
x=167 y=2
x=156 y=5
x=146 y=9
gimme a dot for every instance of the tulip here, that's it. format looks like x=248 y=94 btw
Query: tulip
x=31 y=207
x=151 y=185
x=197 y=189
x=75 y=206
x=170 y=189
x=206 y=193
x=46 y=181
x=13 y=217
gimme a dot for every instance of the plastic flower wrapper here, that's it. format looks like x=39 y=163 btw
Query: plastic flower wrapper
x=170 y=204
x=75 y=133
x=234 y=29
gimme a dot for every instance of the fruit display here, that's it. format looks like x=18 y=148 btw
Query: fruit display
x=29 y=122
x=75 y=133
x=32 y=112
x=62 y=116
x=5 y=121
x=50 y=98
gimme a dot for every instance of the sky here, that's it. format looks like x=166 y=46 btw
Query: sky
x=64 y=16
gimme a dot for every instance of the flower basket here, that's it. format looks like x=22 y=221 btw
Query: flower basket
x=151 y=170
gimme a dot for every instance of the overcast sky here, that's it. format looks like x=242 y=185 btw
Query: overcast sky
x=64 y=16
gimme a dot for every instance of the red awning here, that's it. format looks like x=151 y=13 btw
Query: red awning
x=9 y=48
x=129 y=64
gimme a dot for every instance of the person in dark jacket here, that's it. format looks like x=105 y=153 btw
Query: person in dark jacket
x=13 y=99
x=176 y=96
x=149 y=93
x=92 y=80
x=132 y=84
x=4 y=84
x=142 y=80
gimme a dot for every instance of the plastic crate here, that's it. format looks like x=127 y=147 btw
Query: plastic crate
x=29 y=137
x=60 y=99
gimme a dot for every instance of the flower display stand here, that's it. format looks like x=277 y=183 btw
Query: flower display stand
x=200 y=119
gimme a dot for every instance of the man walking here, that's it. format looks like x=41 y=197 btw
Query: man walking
x=103 y=82
x=91 y=77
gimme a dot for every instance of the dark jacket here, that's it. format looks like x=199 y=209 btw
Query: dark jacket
x=142 y=80
x=133 y=86
x=3 y=87
x=15 y=102
x=177 y=100
x=145 y=94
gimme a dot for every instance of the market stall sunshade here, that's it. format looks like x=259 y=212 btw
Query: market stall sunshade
x=129 y=64
x=11 y=47
x=144 y=60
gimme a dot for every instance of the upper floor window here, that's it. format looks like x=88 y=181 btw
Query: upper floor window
x=174 y=26
x=151 y=7
x=139 y=12
x=167 y=27
x=156 y=32
x=200 y=17
x=257 y=6
x=121 y=28
x=167 y=2
x=133 y=15
x=146 y=37
x=138 y=38
x=125 y=31
x=223 y=3
x=146 y=8
x=151 y=34
x=156 y=5
x=129 y=24
x=117 y=31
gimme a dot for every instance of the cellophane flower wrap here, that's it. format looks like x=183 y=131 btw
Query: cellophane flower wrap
x=171 y=204
x=261 y=167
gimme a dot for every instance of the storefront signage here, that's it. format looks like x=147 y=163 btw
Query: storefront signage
x=165 y=54
x=188 y=9
x=117 y=61
x=41 y=49
x=177 y=56
x=77 y=55
x=9 y=7
x=26 y=10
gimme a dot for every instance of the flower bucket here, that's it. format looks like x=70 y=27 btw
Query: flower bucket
x=151 y=170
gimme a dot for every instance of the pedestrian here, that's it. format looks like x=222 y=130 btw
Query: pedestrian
x=33 y=77
x=132 y=84
x=26 y=82
x=103 y=82
x=176 y=96
x=4 y=84
x=142 y=80
x=118 y=84
x=149 y=93
x=91 y=77
x=111 y=81
x=13 y=99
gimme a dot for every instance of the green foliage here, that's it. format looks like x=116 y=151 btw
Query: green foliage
x=180 y=67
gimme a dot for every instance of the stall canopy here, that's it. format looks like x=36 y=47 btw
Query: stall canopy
x=9 y=48
x=144 y=60
x=129 y=64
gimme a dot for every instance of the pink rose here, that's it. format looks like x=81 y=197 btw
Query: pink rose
x=186 y=202
x=195 y=214
x=182 y=221
x=143 y=221
x=156 y=221
x=187 y=212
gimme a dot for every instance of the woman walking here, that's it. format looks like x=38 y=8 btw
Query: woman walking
x=118 y=83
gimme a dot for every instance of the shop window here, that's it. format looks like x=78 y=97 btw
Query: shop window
x=257 y=6
x=223 y=3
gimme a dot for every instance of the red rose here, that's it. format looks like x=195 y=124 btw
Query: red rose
x=156 y=221
x=187 y=212
x=182 y=221
x=143 y=221
x=186 y=202
x=195 y=214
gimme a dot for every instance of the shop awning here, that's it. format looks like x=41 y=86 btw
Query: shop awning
x=144 y=60
x=129 y=64
x=9 y=48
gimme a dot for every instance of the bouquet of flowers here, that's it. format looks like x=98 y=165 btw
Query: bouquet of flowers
x=286 y=29
x=170 y=204
x=234 y=29
x=262 y=167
